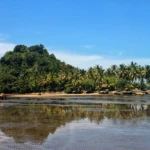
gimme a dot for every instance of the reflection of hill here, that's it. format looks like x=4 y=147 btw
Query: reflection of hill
x=34 y=123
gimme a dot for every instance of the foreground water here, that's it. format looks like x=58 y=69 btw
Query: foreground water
x=75 y=123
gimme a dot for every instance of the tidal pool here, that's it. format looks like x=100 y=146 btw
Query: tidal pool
x=97 y=123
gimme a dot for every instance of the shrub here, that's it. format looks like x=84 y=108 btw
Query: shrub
x=121 y=84
x=129 y=87
x=142 y=86
x=68 y=88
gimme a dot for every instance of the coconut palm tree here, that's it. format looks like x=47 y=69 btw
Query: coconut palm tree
x=122 y=71
x=114 y=69
x=133 y=71
x=99 y=76
x=147 y=75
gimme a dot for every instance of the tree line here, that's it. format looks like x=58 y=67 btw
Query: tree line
x=33 y=69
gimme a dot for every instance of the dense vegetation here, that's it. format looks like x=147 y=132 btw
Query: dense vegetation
x=33 y=69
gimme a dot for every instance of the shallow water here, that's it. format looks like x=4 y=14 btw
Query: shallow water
x=77 y=123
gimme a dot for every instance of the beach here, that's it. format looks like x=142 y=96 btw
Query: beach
x=62 y=94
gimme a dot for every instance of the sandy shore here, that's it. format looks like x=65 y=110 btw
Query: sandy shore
x=52 y=95
x=61 y=94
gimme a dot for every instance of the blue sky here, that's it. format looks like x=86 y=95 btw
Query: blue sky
x=81 y=32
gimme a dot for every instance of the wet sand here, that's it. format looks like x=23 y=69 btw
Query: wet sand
x=75 y=123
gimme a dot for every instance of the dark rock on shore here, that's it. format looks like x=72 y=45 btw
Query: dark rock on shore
x=117 y=93
x=103 y=92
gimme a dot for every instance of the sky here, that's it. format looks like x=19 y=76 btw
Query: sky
x=82 y=33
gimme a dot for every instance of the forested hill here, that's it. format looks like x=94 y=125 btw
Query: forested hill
x=33 y=69
x=30 y=69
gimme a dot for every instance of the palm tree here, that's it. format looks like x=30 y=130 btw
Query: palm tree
x=90 y=72
x=147 y=75
x=141 y=73
x=122 y=71
x=133 y=71
x=99 y=76
x=76 y=81
x=108 y=72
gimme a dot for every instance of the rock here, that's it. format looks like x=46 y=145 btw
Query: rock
x=127 y=92
x=145 y=92
x=104 y=92
x=140 y=93
x=117 y=93
x=39 y=93
x=2 y=96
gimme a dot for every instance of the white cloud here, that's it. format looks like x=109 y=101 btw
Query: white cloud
x=4 y=47
x=86 y=61
x=82 y=61
x=88 y=46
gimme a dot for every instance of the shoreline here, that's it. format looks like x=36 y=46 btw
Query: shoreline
x=61 y=94
x=54 y=95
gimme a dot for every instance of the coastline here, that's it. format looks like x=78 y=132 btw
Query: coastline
x=54 y=95
x=63 y=95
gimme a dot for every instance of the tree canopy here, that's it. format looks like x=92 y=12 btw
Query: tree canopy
x=33 y=69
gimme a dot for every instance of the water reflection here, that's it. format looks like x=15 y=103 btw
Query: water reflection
x=37 y=123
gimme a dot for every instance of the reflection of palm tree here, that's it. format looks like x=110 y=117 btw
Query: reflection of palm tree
x=54 y=117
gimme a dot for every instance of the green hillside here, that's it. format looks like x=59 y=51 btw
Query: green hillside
x=33 y=69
